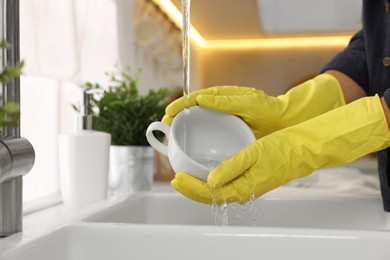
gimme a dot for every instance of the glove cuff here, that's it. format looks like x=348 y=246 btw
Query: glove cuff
x=310 y=99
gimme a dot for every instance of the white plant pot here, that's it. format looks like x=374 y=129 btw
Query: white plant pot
x=132 y=169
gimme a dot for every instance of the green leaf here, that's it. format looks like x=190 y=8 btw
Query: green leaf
x=123 y=112
x=9 y=113
x=4 y=44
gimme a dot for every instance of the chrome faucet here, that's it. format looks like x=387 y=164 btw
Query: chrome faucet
x=17 y=155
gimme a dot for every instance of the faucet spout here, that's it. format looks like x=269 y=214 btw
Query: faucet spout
x=17 y=155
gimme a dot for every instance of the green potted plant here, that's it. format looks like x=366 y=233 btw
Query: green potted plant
x=125 y=114
x=10 y=112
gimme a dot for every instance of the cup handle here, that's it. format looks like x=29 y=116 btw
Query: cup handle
x=156 y=144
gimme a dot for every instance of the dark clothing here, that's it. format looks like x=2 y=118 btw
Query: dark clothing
x=367 y=61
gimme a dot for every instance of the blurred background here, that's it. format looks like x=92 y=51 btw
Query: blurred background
x=267 y=44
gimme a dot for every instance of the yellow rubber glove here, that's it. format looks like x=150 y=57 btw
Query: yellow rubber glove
x=265 y=114
x=334 y=138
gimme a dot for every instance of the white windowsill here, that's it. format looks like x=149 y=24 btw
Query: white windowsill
x=46 y=215
x=42 y=203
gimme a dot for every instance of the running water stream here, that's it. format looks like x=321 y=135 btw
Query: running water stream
x=186 y=66
x=218 y=210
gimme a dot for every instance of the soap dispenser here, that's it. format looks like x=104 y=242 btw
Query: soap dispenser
x=84 y=159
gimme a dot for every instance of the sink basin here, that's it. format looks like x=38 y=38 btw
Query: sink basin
x=330 y=212
x=115 y=241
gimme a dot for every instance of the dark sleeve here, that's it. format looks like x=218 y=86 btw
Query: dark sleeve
x=352 y=61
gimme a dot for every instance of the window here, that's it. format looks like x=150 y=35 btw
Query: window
x=64 y=44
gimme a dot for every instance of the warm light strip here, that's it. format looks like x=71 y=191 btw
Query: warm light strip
x=176 y=16
x=291 y=42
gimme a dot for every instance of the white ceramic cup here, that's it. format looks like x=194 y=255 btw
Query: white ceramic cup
x=211 y=137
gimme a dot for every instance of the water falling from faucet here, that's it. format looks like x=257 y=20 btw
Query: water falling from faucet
x=186 y=67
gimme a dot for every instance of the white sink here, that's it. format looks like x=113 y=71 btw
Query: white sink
x=330 y=212
x=169 y=226
x=115 y=241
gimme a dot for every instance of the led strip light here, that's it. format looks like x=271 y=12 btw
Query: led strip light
x=290 y=42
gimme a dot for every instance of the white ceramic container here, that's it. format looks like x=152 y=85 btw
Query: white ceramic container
x=199 y=140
